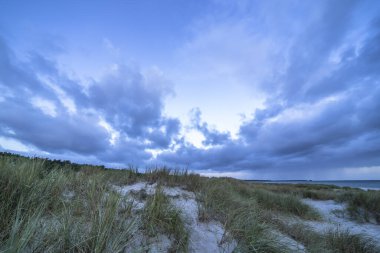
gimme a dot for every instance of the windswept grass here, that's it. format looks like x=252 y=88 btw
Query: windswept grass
x=361 y=205
x=159 y=216
x=285 y=203
x=235 y=207
x=23 y=229
x=345 y=242
x=176 y=177
x=312 y=191
x=333 y=241
x=47 y=208
x=58 y=206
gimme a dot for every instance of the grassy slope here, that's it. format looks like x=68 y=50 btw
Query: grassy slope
x=55 y=206
x=361 y=204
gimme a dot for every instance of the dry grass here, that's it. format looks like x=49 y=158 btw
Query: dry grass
x=57 y=206
x=333 y=241
x=361 y=205
x=37 y=214
x=160 y=217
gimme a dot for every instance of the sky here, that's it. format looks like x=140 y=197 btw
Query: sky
x=248 y=89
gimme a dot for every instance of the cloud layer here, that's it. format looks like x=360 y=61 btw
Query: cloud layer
x=314 y=69
x=115 y=119
x=322 y=112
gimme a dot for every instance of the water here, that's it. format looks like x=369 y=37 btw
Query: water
x=362 y=184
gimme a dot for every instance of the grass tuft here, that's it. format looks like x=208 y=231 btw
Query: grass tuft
x=285 y=203
x=159 y=216
x=36 y=214
x=345 y=242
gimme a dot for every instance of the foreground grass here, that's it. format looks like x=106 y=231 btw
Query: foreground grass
x=58 y=210
x=57 y=206
x=333 y=241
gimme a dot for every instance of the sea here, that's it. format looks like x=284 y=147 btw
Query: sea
x=362 y=184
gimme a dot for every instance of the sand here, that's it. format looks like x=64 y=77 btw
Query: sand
x=333 y=217
x=211 y=236
x=207 y=237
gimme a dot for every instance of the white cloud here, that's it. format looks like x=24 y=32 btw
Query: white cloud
x=114 y=135
x=304 y=112
x=46 y=106
x=195 y=138
x=12 y=144
x=65 y=100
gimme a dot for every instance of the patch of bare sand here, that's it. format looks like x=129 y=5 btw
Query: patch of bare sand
x=206 y=237
x=289 y=243
x=333 y=217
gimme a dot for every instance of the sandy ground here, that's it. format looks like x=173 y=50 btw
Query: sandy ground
x=206 y=237
x=332 y=213
x=211 y=236
x=289 y=243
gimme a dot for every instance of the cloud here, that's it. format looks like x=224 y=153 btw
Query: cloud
x=116 y=119
x=211 y=136
x=305 y=74
x=320 y=115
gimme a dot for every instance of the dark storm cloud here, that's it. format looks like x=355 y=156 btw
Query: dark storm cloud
x=44 y=108
x=132 y=104
x=313 y=47
x=321 y=113
x=309 y=123
x=163 y=137
x=129 y=152
x=53 y=134
x=14 y=75
x=357 y=70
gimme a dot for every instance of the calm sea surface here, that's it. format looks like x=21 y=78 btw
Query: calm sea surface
x=363 y=184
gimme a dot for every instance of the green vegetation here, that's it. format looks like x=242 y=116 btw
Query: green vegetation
x=334 y=241
x=47 y=207
x=317 y=192
x=58 y=206
x=159 y=216
x=361 y=205
x=190 y=181
x=284 y=203
x=342 y=241
x=232 y=203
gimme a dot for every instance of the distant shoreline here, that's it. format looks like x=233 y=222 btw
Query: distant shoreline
x=361 y=184
x=305 y=180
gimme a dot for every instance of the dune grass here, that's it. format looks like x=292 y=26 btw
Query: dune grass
x=233 y=205
x=58 y=206
x=361 y=205
x=48 y=208
x=174 y=177
x=332 y=241
x=160 y=217
x=285 y=203
x=343 y=241
x=312 y=191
